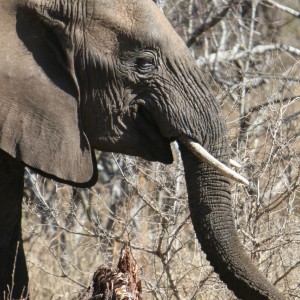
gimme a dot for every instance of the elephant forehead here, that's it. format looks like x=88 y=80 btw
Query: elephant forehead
x=139 y=20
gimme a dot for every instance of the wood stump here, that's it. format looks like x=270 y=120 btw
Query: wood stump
x=115 y=284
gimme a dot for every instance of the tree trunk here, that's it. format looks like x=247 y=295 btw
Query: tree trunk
x=211 y=213
x=13 y=276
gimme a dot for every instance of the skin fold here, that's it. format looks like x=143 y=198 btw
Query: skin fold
x=114 y=76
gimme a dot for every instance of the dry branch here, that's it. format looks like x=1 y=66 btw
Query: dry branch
x=115 y=284
x=210 y=23
x=284 y=8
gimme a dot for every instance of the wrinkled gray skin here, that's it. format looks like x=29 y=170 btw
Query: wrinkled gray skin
x=114 y=76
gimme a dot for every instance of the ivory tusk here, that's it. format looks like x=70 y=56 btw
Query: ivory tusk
x=234 y=164
x=206 y=157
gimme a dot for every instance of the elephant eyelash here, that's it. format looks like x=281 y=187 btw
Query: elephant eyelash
x=146 y=63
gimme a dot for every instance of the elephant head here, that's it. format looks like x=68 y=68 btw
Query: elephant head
x=113 y=75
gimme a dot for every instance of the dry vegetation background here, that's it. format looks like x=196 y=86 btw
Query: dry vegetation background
x=250 y=52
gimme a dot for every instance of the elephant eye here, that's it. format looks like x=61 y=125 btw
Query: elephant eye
x=145 y=63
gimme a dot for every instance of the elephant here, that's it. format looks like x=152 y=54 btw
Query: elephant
x=80 y=75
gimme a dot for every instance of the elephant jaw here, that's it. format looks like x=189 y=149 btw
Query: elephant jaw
x=206 y=157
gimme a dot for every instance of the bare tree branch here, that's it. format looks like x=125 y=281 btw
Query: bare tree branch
x=160 y=3
x=278 y=101
x=295 y=266
x=211 y=23
x=284 y=8
x=238 y=52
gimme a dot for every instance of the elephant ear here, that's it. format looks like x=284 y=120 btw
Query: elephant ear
x=39 y=116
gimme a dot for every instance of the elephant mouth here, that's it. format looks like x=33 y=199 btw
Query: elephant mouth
x=159 y=146
x=156 y=146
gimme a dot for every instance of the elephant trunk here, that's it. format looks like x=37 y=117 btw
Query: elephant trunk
x=211 y=214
